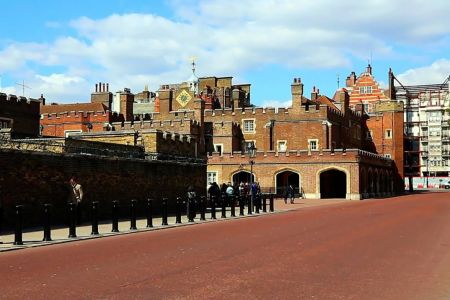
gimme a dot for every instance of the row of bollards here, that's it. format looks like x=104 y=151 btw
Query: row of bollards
x=261 y=200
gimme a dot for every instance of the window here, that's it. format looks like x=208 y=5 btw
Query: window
x=248 y=144
x=369 y=135
x=5 y=123
x=387 y=155
x=211 y=177
x=281 y=146
x=365 y=90
x=248 y=125
x=218 y=148
x=388 y=134
x=313 y=144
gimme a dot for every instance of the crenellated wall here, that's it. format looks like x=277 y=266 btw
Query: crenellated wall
x=20 y=114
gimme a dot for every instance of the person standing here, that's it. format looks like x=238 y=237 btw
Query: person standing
x=191 y=197
x=76 y=196
x=291 y=193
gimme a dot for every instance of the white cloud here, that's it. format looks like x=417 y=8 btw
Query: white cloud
x=437 y=72
x=277 y=103
x=227 y=37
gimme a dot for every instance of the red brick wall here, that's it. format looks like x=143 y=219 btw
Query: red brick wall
x=57 y=124
x=32 y=179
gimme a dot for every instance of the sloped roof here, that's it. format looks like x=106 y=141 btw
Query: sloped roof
x=327 y=101
x=83 y=107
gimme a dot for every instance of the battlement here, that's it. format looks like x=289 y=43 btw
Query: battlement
x=275 y=111
x=149 y=124
x=17 y=99
x=174 y=136
x=74 y=114
x=347 y=154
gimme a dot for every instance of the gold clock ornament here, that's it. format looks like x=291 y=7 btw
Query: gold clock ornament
x=183 y=98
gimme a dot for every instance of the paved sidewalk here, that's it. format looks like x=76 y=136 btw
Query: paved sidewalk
x=33 y=237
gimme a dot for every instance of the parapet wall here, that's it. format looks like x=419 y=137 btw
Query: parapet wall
x=23 y=114
x=178 y=125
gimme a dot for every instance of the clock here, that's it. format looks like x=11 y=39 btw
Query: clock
x=183 y=98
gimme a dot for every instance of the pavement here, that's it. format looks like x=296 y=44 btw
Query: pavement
x=391 y=249
x=34 y=237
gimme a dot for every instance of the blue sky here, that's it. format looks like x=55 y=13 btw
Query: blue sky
x=62 y=48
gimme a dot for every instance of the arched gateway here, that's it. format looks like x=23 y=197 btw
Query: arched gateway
x=333 y=184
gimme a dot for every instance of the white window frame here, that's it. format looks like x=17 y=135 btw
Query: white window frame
x=388 y=155
x=221 y=148
x=388 y=133
x=280 y=142
x=244 y=130
x=365 y=89
x=317 y=144
x=213 y=174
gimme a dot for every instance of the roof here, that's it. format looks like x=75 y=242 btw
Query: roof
x=78 y=107
x=327 y=101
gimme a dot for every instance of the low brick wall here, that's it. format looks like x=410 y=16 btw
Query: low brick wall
x=35 y=178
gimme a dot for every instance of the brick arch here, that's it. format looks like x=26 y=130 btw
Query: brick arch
x=276 y=173
x=347 y=178
x=230 y=179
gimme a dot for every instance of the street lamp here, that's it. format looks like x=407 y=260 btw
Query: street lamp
x=251 y=150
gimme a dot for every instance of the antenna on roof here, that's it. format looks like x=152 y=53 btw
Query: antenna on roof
x=193 y=64
x=337 y=75
x=23 y=87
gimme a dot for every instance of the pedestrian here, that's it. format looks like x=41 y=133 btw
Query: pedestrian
x=229 y=193
x=191 y=198
x=286 y=194
x=214 y=190
x=291 y=194
x=76 y=196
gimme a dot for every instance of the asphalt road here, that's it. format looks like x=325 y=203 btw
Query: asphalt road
x=397 y=248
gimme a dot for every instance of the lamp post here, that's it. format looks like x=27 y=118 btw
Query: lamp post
x=251 y=153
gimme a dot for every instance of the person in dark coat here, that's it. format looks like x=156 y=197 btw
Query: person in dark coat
x=191 y=198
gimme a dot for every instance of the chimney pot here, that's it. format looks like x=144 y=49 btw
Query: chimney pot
x=107 y=87
x=96 y=87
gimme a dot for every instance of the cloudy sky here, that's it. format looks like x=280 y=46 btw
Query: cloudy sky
x=62 y=48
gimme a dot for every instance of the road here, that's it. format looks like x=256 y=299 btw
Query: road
x=397 y=248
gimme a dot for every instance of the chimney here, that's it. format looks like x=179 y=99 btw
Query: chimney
x=351 y=80
x=96 y=88
x=42 y=99
x=104 y=89
x=126 y=104
x=107 y=87
x=314 y=94
x=344 y=100
x=297 y=93
x=99 y=87
x=391 y=85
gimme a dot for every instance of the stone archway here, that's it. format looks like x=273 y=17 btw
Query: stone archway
x=285 y=178
x=333 y=184
x=242 y=176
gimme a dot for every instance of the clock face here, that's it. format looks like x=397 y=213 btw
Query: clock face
x=183 y=98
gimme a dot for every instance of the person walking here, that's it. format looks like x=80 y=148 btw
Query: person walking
x=76 y=197
x=291 y=193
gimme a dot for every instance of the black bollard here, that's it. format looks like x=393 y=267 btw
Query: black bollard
x=115 y=216
x=18 y=229
x=233 y=206
x=271 y=203
x=178 y=210
x=94 y=230
x=241 y=205
x=47 y=230
x=191 y=210
x=149 y=213
x=133 y=214
x=202 y=208
x=72 y=220
x=164 y=211
x=213 y=207
x=224 y=205
x=249 y=205
x=257 y=202
x=264 y=202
